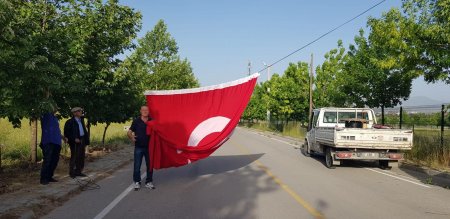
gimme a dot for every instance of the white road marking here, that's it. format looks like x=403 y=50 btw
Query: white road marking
x=286 y=142
x=406 y=180
x=116 y=201
x=394 y=173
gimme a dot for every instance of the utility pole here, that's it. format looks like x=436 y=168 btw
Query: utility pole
x=249 y=68
x=311 y=74
x=442 y=127
x=268 y=91
x=401 y=117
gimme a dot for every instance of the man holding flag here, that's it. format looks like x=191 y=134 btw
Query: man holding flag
x=138 y=135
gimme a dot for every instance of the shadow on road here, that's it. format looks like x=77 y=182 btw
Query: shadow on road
x=426 y=175
x=216 y=187
x=210 y=165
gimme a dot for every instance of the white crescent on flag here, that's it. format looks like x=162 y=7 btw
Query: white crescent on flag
x=207 y=127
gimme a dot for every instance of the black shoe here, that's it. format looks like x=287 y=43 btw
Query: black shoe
x=72 y=176
x=81 y=174
x=44 y=182
x=53 y=180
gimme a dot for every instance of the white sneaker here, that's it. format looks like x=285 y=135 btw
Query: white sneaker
x=137 y=186
x=149 y=185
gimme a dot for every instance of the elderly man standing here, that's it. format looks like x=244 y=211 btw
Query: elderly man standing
x=76 y=135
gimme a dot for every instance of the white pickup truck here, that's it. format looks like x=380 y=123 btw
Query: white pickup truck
x=353 y=134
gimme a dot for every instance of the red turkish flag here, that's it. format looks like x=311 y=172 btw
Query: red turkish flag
x=188 y=125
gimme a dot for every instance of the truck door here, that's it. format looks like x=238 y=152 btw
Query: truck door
x=312 y=132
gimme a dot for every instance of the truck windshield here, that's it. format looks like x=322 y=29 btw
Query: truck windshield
x=333 y=116
x=352 y=115
x=330 y=117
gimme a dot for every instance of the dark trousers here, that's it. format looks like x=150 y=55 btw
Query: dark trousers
x=77 y=155
x=140 y=153
x=51 y=158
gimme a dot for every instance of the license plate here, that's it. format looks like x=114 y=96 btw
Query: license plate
x=370 y=154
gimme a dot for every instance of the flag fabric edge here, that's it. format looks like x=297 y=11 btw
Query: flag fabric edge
x=202 y=89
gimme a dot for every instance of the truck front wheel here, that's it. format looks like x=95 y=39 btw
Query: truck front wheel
x=329 y=158
x=305 y=149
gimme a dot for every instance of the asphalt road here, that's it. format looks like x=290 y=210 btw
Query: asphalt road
x=254 y=176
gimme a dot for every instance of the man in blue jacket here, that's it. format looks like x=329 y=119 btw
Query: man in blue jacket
x=51 y=146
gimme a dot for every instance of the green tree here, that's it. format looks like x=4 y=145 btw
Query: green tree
x=156 y=59
x=105 y=30
x=330 y=77
x=174 y=74
x=297 y=76
x=377 y=76
x=288 y=95
x=256 y=109
x=60 y=54
x=428 y=36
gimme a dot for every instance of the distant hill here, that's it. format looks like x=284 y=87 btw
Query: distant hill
x=421 y=101
x=417 y=104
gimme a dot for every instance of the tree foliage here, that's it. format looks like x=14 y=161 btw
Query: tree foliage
x=330 y=79
x=62 y=54
x=377 y=76
x=427 y=34
x=256 y=108
x=156 y=59
x=286 y=96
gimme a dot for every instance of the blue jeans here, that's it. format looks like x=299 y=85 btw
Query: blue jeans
x=138 y=154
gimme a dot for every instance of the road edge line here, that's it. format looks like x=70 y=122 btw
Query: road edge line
x=396 y=177
x=314 y=212
x=116 y=201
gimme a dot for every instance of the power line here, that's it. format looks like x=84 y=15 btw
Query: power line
x=321 y=36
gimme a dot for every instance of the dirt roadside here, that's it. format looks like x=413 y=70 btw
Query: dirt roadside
x=37 y=200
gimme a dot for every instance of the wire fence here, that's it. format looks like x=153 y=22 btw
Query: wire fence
x=431 y=127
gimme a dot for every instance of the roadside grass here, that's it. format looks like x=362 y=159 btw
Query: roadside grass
x=15 y=149
x=291 y=129
x=18 y=172
x=426 y=151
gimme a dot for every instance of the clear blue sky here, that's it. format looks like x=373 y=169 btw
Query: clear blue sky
x=220 y=37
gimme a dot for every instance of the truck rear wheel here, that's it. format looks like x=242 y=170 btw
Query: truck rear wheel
x=329 y=158
x=384 y=164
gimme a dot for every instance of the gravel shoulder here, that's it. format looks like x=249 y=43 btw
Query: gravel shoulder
x=37 y=200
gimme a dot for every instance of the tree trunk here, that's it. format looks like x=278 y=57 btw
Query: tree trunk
x=382 y=115
x=33 y=140
x=1 y=146
x=89 y=127
x=104 y=134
